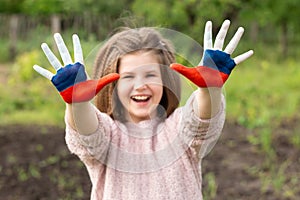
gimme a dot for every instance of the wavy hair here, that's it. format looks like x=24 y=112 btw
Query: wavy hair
x=128 y=41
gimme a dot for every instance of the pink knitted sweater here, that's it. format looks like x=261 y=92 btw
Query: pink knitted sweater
x=151 y=160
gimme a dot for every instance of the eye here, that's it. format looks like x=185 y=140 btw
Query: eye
x=127 y=77
x=151 y=75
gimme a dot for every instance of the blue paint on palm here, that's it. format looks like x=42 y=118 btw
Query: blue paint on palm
x=69 y=76
x=218 y=60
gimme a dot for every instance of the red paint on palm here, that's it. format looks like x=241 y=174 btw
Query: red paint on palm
x=85 y=91
x=202 y=76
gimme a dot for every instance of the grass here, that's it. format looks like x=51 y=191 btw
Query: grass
x=211 y=188
x=45 y=116
x=261 y=93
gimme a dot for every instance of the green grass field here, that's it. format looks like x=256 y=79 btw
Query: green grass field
x=260 y=92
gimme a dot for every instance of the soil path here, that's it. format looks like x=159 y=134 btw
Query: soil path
x=35 y=164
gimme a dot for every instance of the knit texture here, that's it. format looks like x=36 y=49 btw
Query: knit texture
x=152 y=159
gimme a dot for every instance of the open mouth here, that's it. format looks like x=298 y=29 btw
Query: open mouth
x=140 y=98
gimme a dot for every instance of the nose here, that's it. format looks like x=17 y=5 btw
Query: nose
x=139 y=84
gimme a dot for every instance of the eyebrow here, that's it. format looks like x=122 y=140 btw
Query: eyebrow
x=152 y=71
x=127 y=73
x=147 y=72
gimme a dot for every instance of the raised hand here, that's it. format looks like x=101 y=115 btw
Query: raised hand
x=71 y=80
x=216 y=63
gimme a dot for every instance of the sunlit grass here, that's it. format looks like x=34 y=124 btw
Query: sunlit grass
x=259 y=93
x=42 y=116
x=263 y=92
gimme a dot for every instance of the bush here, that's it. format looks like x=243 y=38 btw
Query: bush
x=29 y=97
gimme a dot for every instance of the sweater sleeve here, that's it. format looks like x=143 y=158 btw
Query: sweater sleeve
x=90 y=148
x=200 y=134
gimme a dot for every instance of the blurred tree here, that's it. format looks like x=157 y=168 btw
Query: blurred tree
x=285 y=15
x=53 y=8
x=187 y=16
x=42 y=7
x=13 y=35
x=278 y=20
x=12 y=7
x=256 y=14
x=97 y=16
x=275 y=15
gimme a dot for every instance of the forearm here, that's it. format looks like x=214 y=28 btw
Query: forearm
x=82 y=117
x=208 y=102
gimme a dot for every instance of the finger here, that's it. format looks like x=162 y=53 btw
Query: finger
x=179 y=68
x=243 y=57
x=43 y=72
x=51 y=57
x=188 y=72
x=78 y=55
x=234 y=41
x=207 y=43
x=106 y=80
x=64 y=53
x=220 y=38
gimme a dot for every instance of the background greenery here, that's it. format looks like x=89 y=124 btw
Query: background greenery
x=266 y=80
x=261 y=93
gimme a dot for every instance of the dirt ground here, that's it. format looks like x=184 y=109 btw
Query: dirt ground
x=36 y=165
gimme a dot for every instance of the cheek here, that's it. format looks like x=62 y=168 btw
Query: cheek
x=124 y=86
x=158 y=91
x=153 y=81
x=123 y=91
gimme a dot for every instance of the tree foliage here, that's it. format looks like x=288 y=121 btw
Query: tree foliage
x=274 y=17
x=11 y=6
x=184 y=14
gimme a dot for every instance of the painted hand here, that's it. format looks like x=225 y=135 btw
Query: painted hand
x=71 y=80
x=216 y=64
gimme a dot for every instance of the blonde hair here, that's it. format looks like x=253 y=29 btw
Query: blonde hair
x=128 y=41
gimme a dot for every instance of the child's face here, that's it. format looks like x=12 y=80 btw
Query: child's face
x=140 y=86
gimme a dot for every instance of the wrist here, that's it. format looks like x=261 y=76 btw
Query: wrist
x=208 y=102
x=80 y=105
x=212 y=91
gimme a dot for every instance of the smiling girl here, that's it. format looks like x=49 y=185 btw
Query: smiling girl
x=135 y=141
x=140 y=85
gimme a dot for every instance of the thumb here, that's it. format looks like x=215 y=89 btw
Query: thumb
x=188 y=72
x=201 y=76
x=85 y=91
x=178 y=67
x=106 y=80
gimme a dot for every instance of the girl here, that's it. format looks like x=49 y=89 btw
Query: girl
x=136 y=142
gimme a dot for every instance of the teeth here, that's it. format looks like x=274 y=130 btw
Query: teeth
x=140 y=98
